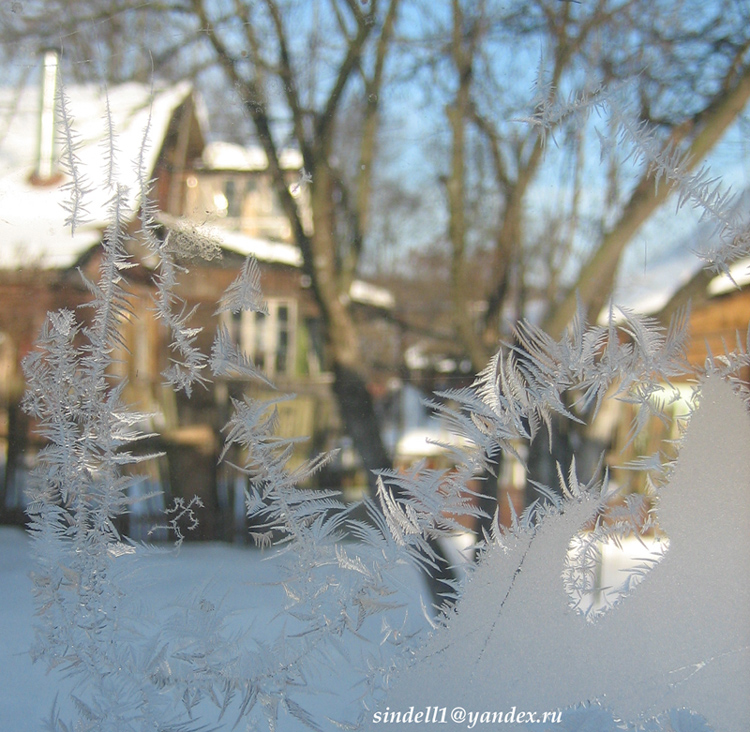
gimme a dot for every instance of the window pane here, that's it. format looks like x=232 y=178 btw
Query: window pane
x=234 y=202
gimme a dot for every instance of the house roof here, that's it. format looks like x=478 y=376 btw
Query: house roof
x=264 y=250
x=738 y=276
x=364 y=293
x=229 y=156
x=649 y=290
x=276 y=252
x=32 y=217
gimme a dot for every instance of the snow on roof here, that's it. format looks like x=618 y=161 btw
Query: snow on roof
x=276 y=252
x=32 y=218
x=366 y=293
x=228 y=156
x=263 y=250
x=424 y=442
x=649 y=290
x=739 y=276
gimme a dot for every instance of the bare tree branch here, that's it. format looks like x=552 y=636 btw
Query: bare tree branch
x=596 y=279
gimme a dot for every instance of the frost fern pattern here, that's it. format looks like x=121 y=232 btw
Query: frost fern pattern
x=134 y=672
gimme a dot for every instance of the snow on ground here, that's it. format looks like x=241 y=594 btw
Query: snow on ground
x=237 y=577
x=25 y=691
x=242 y=579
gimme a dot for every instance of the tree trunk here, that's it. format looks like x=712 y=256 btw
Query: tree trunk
x=360 y=421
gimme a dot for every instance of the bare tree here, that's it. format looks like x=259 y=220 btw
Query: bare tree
x=692 y=82
x=354 y=41
x=683 y=67
x=676 y=72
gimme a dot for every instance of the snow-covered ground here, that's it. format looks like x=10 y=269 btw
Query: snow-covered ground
x=26 y=691
x=239 y=578
x=242 y=579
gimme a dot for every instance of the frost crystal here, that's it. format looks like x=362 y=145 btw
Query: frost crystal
x=680 y=639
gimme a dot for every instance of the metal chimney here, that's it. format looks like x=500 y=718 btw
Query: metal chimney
x=46 y=161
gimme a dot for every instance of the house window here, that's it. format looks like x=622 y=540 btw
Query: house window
x=234 y=199
x=283 y=338
x=268 y=339
x=314 y=351
x=234 y=326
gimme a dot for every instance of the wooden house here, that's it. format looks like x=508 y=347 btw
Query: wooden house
x=218 y=191
x=42 y=257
